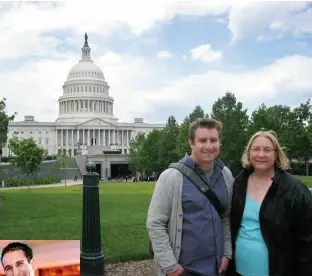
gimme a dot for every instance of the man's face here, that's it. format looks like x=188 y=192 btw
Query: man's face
x=206 y=145
x=15 y=263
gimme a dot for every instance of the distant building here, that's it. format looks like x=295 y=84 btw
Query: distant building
x=86 y=126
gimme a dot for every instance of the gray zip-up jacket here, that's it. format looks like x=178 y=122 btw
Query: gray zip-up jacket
x=165 y=217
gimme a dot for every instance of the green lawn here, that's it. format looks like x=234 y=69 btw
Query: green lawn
x=306 y=180
x=56 y=214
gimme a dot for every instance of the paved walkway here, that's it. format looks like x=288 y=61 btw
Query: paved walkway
x=69 y=182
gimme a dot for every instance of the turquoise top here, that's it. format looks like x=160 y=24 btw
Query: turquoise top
x=251 y=254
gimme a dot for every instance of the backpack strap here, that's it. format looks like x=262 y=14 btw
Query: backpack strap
x=200 y=183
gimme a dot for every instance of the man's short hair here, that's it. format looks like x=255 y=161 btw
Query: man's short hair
x=208 y=123
x=15 y=246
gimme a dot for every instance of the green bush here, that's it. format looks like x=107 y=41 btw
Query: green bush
x=30 y=182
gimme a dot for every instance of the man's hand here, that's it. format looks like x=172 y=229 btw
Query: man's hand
x=224 y=264
x=178 y=272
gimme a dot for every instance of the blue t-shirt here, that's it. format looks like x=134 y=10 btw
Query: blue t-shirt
x=251 y=255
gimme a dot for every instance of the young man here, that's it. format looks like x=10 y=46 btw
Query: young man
x=17 y=260
x=187 y=234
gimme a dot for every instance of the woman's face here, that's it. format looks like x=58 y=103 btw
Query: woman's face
x=262 y=154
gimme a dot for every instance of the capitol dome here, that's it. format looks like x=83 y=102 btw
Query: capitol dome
x=85 y=92
x=85 y=68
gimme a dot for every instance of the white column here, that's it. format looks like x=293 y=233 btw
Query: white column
x=104 y=138
x=72 y=143
x=83 y=139
x=109 y=138
x=99 y=134
x=122 y=133
x=88 y=142
x=127 y=137
x=114 y=136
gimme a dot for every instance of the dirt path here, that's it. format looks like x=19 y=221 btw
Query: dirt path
x=135 y=268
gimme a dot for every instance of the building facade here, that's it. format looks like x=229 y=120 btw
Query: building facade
x=86 y=124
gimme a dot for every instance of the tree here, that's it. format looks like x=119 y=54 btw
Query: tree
x=4 y=123
x=299 y=133
x=235 y=123
x=182 y=139
x=135 y=152
x=276 y=118
x=150 y=151
x=28 y=155
x=64 y=162
x=168 y=143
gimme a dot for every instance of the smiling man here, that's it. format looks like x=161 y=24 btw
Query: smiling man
x=187 y=234
x=17 y=260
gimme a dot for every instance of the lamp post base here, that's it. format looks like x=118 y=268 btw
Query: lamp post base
x=92 y=264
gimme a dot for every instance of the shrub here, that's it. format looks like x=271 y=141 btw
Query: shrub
x=30 y=182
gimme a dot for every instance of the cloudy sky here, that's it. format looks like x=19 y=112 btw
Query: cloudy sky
x=160 y=57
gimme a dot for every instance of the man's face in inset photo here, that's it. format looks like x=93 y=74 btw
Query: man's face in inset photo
x=15 y=263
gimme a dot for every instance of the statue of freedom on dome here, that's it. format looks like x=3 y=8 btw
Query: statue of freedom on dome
x=86 y=39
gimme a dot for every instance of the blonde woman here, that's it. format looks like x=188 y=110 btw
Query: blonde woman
x=271 y=216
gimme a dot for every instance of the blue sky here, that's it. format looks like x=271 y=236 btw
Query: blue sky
x=160 y=59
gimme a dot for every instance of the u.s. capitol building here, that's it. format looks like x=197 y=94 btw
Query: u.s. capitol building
x=86 y=126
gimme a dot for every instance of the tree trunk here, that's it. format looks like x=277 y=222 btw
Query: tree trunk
x=307 y=166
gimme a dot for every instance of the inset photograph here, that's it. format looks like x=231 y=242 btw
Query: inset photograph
x=40 y=257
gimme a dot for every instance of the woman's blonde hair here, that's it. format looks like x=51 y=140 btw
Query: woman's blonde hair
x=282 y=161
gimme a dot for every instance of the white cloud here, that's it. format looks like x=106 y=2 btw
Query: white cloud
x=22 y=24
x=205 y=53
x=286 y=76
x=164 y=55
x=276 y=25
x=254 y=18
x=139 y=88
x=110 y=58
x=222 y=21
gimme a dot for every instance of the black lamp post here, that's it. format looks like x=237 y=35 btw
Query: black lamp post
x=91 y=254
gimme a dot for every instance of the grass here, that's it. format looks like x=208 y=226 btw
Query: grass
x=56 y=214
x=306 y=180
